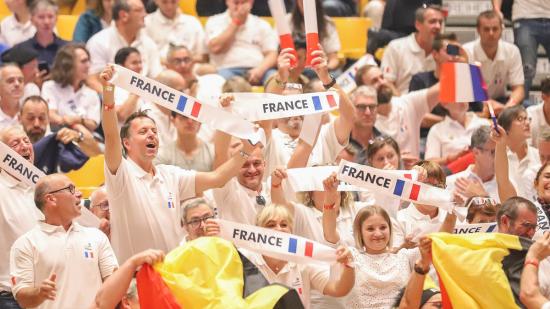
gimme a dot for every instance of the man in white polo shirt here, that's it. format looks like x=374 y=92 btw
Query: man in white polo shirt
x=18 y=214
x=412 y=54
x=240 y=43
x=11 y=90
x=500 y=61
x=167 y=25
x=50 y=264
x=145 y=199
x=129 y=16
x=17 y=27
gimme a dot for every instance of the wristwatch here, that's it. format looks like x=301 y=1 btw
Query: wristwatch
x=419 y=270
x=332 y=82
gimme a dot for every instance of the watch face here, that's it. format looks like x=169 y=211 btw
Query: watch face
x=260 y=200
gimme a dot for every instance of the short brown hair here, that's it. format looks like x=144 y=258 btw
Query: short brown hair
x=125 y=129
x=63 y=64
x=434 y=171
x=378 y=143
x=489 y=14
x=363 y=215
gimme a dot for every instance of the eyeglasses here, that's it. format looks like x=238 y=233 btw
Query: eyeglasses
x=523 y=118
x=362 y=107
x=185 y=60
x=260 y=200
x=102 y=206
x=481 y=201
x=71 y=188
x=195 y=223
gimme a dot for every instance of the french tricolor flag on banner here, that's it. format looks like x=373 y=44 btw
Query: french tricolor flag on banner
x=193 y=107
x=294 y=246
x=327 y=101
x=407 y=190
x=461 y=82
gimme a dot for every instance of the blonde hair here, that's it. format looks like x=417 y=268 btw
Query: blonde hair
x=363 y=215
x=306 y=198
x=273 y=211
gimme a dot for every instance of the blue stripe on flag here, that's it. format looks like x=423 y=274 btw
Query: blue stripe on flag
x=317 y=103
x=292 y=244
x=85 y=254
x=479 y=92
x=399 y=185
x=351 y=75
x=491 y=228
x=181 y=103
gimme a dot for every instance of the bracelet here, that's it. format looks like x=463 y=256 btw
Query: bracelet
x=108 y=107
x=329 y=206
x=533 y=262
x=419 y=270
x=332 y=82
x=279 y=83
x=108 y=88
x=275 y=186
x=237 y=22
x=244 y=154
x=80 y=136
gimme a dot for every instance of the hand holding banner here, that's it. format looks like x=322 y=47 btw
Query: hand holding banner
x=312 y=32
x=278 y=11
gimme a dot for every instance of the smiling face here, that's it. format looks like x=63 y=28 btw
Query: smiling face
x=142 y=142
x=376 y=234
x=542 y=184
x=17 y=140
x=251 y=173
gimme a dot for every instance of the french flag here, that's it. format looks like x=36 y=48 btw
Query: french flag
x=278 y=11
x=405 y=190
x=312 y=33
x=195 y=109
x=293 y=247
x=461 y=82
x=88 y=254
x=318 y=105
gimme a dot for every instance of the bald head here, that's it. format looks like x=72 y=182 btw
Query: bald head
x=172 y=79
x=45 y=185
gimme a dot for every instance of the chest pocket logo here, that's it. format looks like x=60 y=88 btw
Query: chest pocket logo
x=89 y=251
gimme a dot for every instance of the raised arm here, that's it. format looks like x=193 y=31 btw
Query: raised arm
x=127 y=108
x=530 y=294
x=433 y=96
x=331 y=207
x=277 y=83
x=413 y=291
x=342 y=285
x=277 y=192
x=113 y=146
x=505 y=187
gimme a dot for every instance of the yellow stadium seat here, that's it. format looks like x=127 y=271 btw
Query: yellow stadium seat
x=4 y=11
x=353 y=35
x=189 y=7
x=90 y=176
x=65 y=26
x=79 y=7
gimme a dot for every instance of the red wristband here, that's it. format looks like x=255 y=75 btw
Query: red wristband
x=108 y=107
x=533 y=262
x=329 y=206
x=275 y=186
x=237 y=22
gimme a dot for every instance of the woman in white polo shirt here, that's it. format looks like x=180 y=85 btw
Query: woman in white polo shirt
x=71 y=102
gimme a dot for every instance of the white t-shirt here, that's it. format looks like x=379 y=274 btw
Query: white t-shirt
x=183 y=30
x=506 y=69
x=530 y=9
x=145 y=212
x=80 y=257
x=538 y=123
x=238 y=203
x=523 y=173
x=301 y=277
x=402 y=59
x=489 y=186
x=330 y=43
x=13 y=32
x=104 y=45
x=18 y=215
x=410 y=218
x=7 y=121
x=252 y=40
x=450 y=137
x=84 y=102
x=403 y=122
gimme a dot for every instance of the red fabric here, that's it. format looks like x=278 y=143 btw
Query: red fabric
x=153 y=292
x=445 y=300
x=461 y=163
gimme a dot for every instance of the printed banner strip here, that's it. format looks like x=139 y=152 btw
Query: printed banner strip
x=346 y=80
x=19 y=167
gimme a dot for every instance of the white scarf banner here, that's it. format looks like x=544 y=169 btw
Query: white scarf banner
x=310 y=128
x=276 y=244
x=475 y=228
x=266 y=106
x=542 y=219
x=393 y=185
x=215 y=117
x=346 y=80
x=311 y=178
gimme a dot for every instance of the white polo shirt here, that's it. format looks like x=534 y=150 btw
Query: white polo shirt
x=530 y=9
x=523 y=173
x=301 y=277
x=410 y=218
x=182 y=30
x=84 y=102
x=538 y=123
x=449 y=136
x=7 y=121
x=252 y=40
x=238 y=203
x=18 y=215
x=402 y=59
x=104 y=45
x=81 y=258
x=145 y=212
x=13 y=32
x=506 y=69
x=489 y=186
x=403 y=122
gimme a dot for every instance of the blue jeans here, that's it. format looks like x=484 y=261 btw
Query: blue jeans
x=7 y=301
x=242 y=72
x=528 y=35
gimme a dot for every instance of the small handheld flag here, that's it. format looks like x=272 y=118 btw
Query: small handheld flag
x=278 y=12
x=312 y=33
x=461 y=82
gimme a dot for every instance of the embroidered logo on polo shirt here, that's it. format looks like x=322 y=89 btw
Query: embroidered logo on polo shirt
x=297 y=284
x=13 y=281
x=170 y=200
x=88 y=251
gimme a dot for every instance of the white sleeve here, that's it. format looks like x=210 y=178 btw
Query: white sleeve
x=212 y=29
x=98 y=53
x=327 y=147
x=318 y=276
x=416 y=105
x=268 y=39
x=515 y=74
x=117 y=183
x=433 y=144
x=200 y=39
x=21 y=265
x=186 y=182
x=389 y=65
x=107 y=259
x=92 y=106
x=48 y=94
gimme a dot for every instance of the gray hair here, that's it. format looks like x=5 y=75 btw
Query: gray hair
x=193 y=204
x=94 y=194
x=480 y=137
x=364 y=91
x=8 y=131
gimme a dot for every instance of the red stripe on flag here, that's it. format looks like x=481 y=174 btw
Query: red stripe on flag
x=445 y=300
x=415 y=189
x=196 y=109
x=408 y=176
x=330 y=99
x=309 y=249
x=447 y=83
x=152 y=291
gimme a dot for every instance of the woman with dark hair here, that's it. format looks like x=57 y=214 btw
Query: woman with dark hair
x=328 y=37
x=71 y=102
x=93 y=20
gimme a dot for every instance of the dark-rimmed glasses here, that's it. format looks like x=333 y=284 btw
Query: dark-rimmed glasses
x=71 y=188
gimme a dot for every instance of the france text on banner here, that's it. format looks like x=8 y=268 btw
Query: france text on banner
x=265 y=106
x=20 y=168
x=346 y=80
x=475 y=228
x=312 y=33
x=542 y=219
x=276 y=244
x=215 y=117
x=311 y=178
x=278 y=11
x=392 y=185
